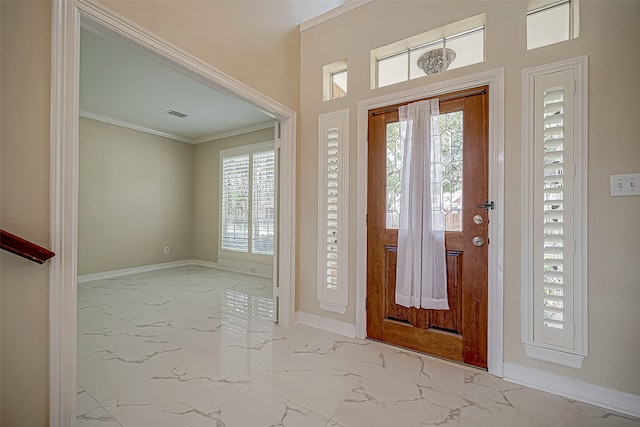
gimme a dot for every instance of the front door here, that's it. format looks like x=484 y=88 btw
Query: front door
x=460 y=333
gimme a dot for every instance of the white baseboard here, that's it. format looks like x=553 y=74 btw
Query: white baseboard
x=134 y=270
x=247 y=270
x=615 y=400
x=248 y=267
x=331 y=325
x=152 y=267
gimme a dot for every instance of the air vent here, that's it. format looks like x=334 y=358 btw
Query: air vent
x=176 y=113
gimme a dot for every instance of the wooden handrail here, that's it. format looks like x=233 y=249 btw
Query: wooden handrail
x=24 y=248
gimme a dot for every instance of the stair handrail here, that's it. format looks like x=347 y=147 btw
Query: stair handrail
x=24 y=248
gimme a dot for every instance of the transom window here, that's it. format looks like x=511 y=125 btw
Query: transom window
x=453 y=46
x=334 y=82
x=551 y=21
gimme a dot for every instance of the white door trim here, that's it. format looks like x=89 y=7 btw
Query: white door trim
x=495 y=80
x=65 y=54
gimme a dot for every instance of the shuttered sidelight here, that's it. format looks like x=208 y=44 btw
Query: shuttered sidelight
x=333 y=199
x=554 y=205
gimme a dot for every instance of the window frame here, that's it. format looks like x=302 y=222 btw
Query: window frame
x=249 y=150
x=536 y=348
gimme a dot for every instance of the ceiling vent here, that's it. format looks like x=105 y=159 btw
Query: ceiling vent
x=176 y=113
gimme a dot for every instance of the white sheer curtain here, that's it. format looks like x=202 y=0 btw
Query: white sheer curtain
x=421 y=276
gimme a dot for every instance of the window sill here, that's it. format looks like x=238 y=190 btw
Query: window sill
x=554 y=356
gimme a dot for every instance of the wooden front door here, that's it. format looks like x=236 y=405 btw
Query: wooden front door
x=460 y=333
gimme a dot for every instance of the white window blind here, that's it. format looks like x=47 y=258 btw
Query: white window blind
x=554 y=206
x=247 y=199
x=332 y=217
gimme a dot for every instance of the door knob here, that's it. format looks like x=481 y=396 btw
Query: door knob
x=477 y=241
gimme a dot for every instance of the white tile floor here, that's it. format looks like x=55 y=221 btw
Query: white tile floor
x=195 y=347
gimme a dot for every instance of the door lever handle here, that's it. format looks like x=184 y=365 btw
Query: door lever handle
x=486 y=205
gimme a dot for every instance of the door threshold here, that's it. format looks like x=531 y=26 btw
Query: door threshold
x=450 y=362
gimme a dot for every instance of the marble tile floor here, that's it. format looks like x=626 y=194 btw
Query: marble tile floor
x=196 y=347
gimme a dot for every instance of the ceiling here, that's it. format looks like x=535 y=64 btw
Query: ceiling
x=124 y=84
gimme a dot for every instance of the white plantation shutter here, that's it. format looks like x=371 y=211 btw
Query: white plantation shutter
x=247 y=198
x=332 y=217
x=554 y=205
x=332 y=209
x=263 y=196
x=235 y=203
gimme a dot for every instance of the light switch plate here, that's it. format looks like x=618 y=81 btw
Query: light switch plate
x=625 y=185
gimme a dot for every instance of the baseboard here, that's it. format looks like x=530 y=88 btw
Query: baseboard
x=134 y=270
x=152 y=267
x=615 y=400
x=248 y=267
x=229 y=268
x=326 y=324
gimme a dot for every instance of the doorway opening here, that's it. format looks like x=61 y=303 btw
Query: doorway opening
x=68 y=17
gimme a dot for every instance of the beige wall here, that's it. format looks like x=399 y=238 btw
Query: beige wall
x=163 y=192
x=608 y=33
x=132 y=183
x=206 y=190
x=24 y=172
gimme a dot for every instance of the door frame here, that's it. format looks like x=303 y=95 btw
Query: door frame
x=67 y=16
x=495 y=80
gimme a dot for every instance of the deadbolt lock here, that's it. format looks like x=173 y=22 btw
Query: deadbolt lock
x=477 y=241
x=477 y=219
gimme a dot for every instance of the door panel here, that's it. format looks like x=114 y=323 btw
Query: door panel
x=459 y=333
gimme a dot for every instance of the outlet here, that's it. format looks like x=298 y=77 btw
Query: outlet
x=166 y=249
x=625 y=185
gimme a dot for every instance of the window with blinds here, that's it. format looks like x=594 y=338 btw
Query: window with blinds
x=247 y=197
x=554 y=204
x=332 y=216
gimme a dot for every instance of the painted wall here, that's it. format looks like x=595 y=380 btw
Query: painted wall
x=24 y=210
x=132 y=183
x=206 y=190
x=608 y=33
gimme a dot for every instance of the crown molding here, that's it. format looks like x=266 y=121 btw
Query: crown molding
x=208 y=138
x=129 y=125
x=247 y=129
